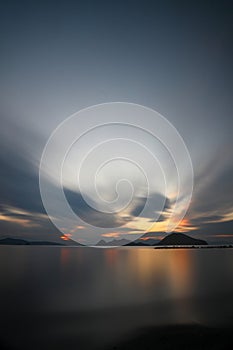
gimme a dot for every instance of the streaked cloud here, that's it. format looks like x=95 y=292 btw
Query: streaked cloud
x=166 y=63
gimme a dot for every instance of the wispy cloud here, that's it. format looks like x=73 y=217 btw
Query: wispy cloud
x=111 y=234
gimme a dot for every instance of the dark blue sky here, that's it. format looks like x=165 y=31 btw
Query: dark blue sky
x=173 y=56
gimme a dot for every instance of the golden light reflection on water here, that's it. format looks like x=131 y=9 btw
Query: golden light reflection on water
x=111 y=256
x=154 y=276
x=141 y=285
x=168 y=272
x=167 y=281
x=128 y=276
x=147 y=267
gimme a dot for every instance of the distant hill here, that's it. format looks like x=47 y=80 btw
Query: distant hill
x=16 y=241
x=114 y=242
x=138 y=244
x=172 y=239
x=180 y=239
x=19 y=241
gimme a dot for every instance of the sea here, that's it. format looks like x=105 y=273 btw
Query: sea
x=55 y=297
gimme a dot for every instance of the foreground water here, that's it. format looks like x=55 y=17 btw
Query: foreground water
x=82 y=298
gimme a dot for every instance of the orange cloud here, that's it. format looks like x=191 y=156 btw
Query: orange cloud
x=185 y=226
x=111 y=234
x=19 y=221
x=74 y=230
x=66 y=237
x=151 y=237
x=159 y=226
x=18 y=211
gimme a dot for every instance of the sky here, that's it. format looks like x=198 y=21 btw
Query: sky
x=171 y=56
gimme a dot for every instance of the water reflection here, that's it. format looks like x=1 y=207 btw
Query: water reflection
x=95 y=278
x=93 y=291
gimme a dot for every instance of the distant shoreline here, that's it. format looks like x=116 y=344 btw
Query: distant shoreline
x=55 y=245
x=194 y=247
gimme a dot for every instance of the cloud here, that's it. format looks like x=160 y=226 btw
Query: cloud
x=22 y=212
x=111 y=234
x=19 y=182
x=32 y=227
x=216 y=229
x=92 y=216
x=156 y=204
x=212 y=196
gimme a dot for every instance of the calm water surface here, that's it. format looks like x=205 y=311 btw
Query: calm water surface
x=90 y=297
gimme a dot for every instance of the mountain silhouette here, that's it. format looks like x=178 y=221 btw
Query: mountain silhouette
x=170 y=240
x=138 y=244
x=17 y=241
x=114 y=242
x=13 y=241
x=181 y=239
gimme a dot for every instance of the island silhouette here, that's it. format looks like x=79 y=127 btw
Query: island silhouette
x=173 y=239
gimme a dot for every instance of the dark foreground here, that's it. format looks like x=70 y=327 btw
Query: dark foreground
x=54 y=337
x=178 y=337
x=54 y=298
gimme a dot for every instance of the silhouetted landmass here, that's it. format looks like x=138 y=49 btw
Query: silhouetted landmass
x=19 y=241
x=174 y=239
x=45 y=243
x=167 y=243
x=193 y=246
x=113 y=243
x=138 y=244
x=181 y=239
x=101 y=243
x=16 y=241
